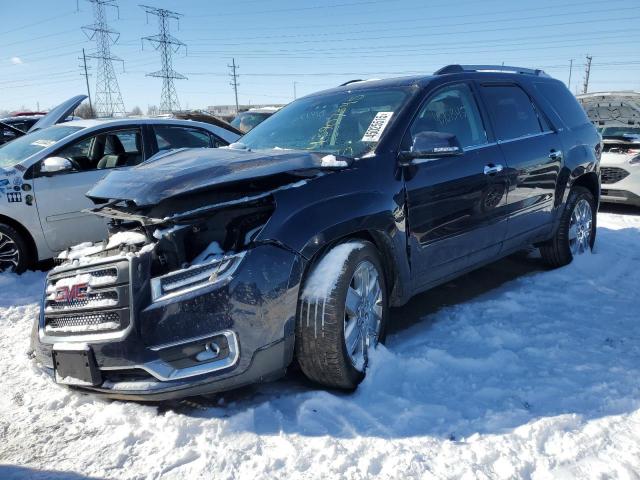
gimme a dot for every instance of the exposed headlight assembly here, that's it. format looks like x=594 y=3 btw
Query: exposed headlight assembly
x=189 y=279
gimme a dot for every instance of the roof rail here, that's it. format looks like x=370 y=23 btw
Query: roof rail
x=351 y=81
x=490 y=68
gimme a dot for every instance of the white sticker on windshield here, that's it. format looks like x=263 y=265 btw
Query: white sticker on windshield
x=378 y=124
x=43 y=143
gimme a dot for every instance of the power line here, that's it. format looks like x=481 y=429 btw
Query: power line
x=167 y=45
x=234 y=80
x=108 y=98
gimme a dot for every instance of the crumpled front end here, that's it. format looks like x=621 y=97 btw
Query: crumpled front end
x=165 y=310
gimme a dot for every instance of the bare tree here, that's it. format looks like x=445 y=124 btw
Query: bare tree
x=152 y=110
x=85 y=111
x=135 y=111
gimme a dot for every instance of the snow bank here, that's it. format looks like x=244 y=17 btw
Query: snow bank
x=538 y=378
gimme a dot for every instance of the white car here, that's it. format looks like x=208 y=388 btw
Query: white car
x=45 y=174
x=620 y=165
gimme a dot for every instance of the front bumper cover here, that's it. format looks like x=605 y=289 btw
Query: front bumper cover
x=255 y=311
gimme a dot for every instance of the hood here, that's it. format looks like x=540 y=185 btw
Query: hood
x=612 y=108
x=58 y=114
x=188 y=171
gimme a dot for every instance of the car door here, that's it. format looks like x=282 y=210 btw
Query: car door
x=455 y=205
x=60 y=197
x=533 y=156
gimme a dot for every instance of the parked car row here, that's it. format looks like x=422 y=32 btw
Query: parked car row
x=222 y=265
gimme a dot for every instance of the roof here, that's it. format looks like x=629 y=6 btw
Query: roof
x=86 y=123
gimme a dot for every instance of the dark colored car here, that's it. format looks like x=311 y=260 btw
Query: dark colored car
x=246 y=121
x=13 y=127
x=222 y=265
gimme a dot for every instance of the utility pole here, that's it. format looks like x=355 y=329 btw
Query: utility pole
x=570 y=72
x=86 y=77
x=167 y=45
x=108 y=98
x=234 y=80
x=587 y=72
x=294 y=90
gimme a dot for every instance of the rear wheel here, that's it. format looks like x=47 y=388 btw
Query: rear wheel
x=13 y=250
x=576 y=233
x=342 y=315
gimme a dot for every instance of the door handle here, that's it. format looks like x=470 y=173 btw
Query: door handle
x=555 y=155
x=492 y=169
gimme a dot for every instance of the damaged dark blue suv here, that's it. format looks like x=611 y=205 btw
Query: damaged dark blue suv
x=223 y=265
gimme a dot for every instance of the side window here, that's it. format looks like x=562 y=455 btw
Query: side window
x=121 y=148
x=564 y=103
x=217 y=142
x=170 y=137
x=452 y=109
x=512 y=112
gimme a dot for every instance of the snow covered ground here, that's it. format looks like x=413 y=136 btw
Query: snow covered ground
x=538 y=377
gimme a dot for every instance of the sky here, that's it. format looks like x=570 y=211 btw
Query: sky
x=287 y=46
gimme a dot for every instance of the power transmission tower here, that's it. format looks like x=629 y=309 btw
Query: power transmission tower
x=167 y=45
x=108 y=98
x=587 y=72
x=234 y=80
x=86 y=77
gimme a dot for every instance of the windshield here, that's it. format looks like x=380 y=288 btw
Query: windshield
x=23 y=147
x=620 y=131
x=345 y=123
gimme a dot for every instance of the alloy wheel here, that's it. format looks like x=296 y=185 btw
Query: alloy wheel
x=363 y=313
x=580 y=227
x=9 y=253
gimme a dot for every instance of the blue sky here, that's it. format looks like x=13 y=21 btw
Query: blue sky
x=313 y=43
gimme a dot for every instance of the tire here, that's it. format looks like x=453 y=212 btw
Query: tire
x=564 y=246
x=14 y=250
x=324 y=321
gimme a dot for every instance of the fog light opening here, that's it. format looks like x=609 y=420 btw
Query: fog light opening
x=211 y=351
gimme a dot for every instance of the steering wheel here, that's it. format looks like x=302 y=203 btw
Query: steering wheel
x=74 y=164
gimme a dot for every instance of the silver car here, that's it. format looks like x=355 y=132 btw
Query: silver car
x=45 y=174
x=620 y=165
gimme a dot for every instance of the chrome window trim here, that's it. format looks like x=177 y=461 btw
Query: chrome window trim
x=524 y=137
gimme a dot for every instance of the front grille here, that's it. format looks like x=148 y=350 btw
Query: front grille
x=612 y=174
x=87 y=300
x=90 y=322
x=107 y=298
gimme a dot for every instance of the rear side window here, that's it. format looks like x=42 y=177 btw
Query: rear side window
x=564 y=103
x=170 y=137
x=512 y=112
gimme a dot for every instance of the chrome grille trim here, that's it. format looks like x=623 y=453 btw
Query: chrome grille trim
x=90 y=301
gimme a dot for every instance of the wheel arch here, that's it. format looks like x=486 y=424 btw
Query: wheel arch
x=397 y=288
x=589 y=181
x=22 y=230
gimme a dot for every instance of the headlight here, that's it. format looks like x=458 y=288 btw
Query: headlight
x=195 y=277
x=635 y=160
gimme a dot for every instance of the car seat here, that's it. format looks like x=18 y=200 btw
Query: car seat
x=117 y=156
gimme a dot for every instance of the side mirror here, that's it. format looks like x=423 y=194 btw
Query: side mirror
x=55 y=165
x=431 y=145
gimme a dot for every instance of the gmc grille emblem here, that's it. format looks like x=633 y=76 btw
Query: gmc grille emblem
x=72 y=294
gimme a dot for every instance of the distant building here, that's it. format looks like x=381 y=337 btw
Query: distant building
x=230 y=110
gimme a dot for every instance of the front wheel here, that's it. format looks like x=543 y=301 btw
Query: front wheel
x=342 y=315
x=576 y=233
x=13 y=250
